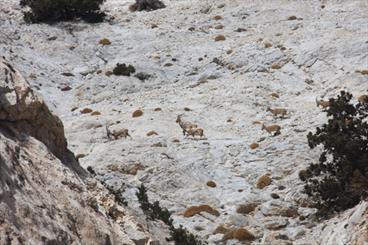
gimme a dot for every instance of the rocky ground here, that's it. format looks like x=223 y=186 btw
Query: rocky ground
x=220 y=64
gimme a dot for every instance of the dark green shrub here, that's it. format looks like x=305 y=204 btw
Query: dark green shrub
x=117 y=192
x=143 y=198
x=339 y=180
x=123 y=70
x=147 y=5
x=154 y=211
x=62 y=10
x=180 y=236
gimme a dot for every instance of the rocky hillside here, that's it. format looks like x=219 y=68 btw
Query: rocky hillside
x=220 y=64
x=46 y=197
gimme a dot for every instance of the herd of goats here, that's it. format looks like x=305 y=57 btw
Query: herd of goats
x=192 y=129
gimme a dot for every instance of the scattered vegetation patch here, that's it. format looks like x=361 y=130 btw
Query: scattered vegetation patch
x=180 y=236
x=254 y=146
x=91 y=170
x=240 y=234
x=137 y=113
x=363 y=99
x=96 y=113
x=123 y=70
x=276 y=66
x=221 y=229
x=109 y=73
x=86 y=111
x=217 y=17
x=143 y=76
x=211 y=184
x=246 y=208
x=153 y=210
x=104 y=41
x=194 y=210
x=293 y=17
x=117 y=192
x=267 y=45
x=339 y=180
x=152 y=133
x=66 y=88
x=220 y=38
x=263 y=181
x=62 y=10
x=240 y=29
x=275 y=196
x=67 y=74
x=146 y=5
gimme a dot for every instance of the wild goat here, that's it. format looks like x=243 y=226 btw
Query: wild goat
x=195 y=132
x=186 y=126
x=117 y=134
x=272 y=128
x=277 y=111
x=323 y=103
x=363 y=99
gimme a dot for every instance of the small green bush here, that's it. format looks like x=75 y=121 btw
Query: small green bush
x=180 y=236
x=339 y=180
x=154 y=211
x=148 y=5
x=123 y=70
x=62 y=10
x=118 y=193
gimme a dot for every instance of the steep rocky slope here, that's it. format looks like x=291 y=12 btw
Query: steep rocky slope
x=45 y=196
x=275 y=53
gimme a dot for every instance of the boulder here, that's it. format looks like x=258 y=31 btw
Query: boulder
x=23 y=113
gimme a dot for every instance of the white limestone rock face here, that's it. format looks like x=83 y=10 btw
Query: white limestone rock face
x=22 y=110
x=267 y=60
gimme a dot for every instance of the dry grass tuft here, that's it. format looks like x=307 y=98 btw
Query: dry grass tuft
x=220 y=38
x=86 y=111
x=104 y=41
x=240 y=234
x=246 y=208
x=151 y=133
x=267 y=45
x=217 y=17
x=137 y=113
x=276 y=66
x=96 y=113
x=190 y=212
x=254 y=146
x=263 y=181
x=211 y=184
